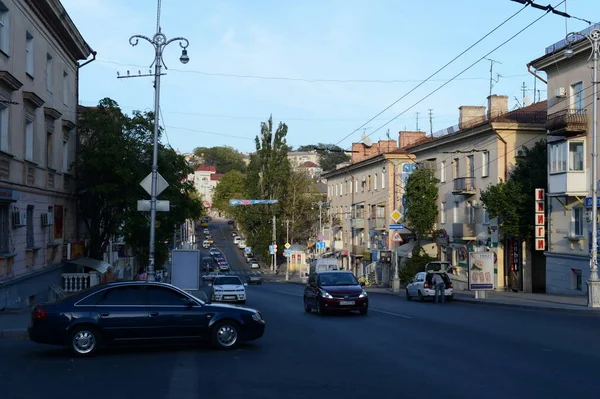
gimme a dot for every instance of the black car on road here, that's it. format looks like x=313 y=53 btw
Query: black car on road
x=130 y=312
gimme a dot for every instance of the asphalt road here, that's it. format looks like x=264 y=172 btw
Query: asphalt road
x=401 y=348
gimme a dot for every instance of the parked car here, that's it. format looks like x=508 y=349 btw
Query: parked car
x=337 y=290
x=234 y=233
x=130 y=312
x=254 y=264
x=421 y=286
x=214 y=252
x=206 y=231
x=224 y=266
x=229 y=288
x=230 y=221
x=254 y=278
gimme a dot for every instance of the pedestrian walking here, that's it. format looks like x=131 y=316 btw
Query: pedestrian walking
x=440 y=287
x=141 y=274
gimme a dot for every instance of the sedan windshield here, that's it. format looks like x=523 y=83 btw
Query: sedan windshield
x=331 y=279
x=228 y=281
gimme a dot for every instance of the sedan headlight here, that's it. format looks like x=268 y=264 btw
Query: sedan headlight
x=218 y=290
x=325 y=294
x=363 y=294
x=257 y=316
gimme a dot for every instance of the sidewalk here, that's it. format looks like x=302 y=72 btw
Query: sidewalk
x=497 y=298
x=13 y=324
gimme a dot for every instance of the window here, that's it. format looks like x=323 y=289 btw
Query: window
x=4 y=228
x=4 y=128
x=471 y=166
x=337 y=189
x=369 y=183
x=455 y=169
x=577 y=221
x=51 y=228
x=455 y=211
x=29 y=227
x=443 y=213
x=29 y=139
x=443 y=172
x=576 y=156
x=558 y=157
x=382 y=180
x=341 y=189
x=29 y=62
x=469 y=213
x=375 y=181
x=356 y=185
x=486 y=216
x=49 y=149
x=65 y=156
x=577 y=96
x=65 y=88
x=123 y=296
x=485 y=164
x=4 y=29
x=161 y=296
x=49 y=74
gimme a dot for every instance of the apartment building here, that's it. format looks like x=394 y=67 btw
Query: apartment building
x=205 y=180
x=298 y=158
x=362 y=196
x=39 y=52
x=570 y=124
x=469 y=157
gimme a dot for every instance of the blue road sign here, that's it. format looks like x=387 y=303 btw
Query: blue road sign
x=238 y=202
x=248 y=250
x=588 y=202
x=288 y=252
x=320 y=245
x=396 y=226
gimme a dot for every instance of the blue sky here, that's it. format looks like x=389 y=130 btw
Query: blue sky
x=215 y=100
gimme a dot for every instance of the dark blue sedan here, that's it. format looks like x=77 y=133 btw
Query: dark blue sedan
x=125 y=313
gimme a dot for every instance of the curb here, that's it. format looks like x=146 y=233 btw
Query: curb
x=485 y=302
x=13 y=333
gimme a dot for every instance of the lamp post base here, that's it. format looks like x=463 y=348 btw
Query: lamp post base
x=593 y=294
x=396 y=285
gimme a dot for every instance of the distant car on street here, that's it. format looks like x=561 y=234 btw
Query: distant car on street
x=230 y=221
x=211 y=276
x=229 y=288
x=133 y=312
x=254 y=278
x=335 y=291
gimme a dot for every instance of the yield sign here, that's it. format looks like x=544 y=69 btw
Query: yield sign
x=161 y=184
x=397 y=237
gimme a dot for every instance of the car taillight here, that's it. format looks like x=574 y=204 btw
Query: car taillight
x=426 y=285
x=450 y=285
x=39 y=313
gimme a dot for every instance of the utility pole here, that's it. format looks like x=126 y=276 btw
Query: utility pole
x=418 y=121
x=524 y=91
x=274 y=242
x=492 y=62
x=287 y=240
x=431 y=122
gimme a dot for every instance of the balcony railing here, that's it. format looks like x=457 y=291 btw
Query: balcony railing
x=376 y=223
x=567 y=122
x=74 y=282
x=464 y=185
x=358 y=223
x=464 y=230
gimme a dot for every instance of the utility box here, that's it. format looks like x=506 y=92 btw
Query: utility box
x=185 y=269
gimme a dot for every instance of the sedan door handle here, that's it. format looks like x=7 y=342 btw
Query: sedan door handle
x=104 y=314
x=154 y=314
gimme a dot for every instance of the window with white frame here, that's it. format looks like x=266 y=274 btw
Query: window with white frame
x=576 y=155
x=350 y=188
x=485 y=164
x=443 y=172
x=356 y=186
x=29 y=54
x=382 y=180
x=577 y=96
x=443 y=213
x=65 y=88
x=337 y=189
x=3 y=128
x=4 y=29
x=341 y=189
x=469 y=213
x=375 y=181
x=577 y=221
x=29 y=139
x=456 y=216
x=558 y=157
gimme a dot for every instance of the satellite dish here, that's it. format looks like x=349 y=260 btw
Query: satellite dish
x=527 y=101
x=366 y=140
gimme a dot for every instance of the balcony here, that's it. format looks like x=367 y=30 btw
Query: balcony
x=567 y=122
x=464 y=185
x=377 y=223
x=569 y=183
x=465 y=231
x=358 y=250
x=358 y=223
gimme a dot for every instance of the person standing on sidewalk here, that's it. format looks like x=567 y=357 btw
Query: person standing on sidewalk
x=440 y=286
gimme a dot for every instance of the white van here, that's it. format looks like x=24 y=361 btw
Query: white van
x=236 y=240
x=205 y=244
x=324 y=265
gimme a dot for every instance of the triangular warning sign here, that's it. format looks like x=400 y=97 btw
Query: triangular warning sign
x=397 y=237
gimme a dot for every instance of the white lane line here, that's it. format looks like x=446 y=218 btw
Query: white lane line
x=371 y=309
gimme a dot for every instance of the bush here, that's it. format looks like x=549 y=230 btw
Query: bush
x=414 y=265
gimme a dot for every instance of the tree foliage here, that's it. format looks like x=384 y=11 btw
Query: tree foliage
x=330 y=155
x=513 y=201
x=231 y=185
x=299 y=208
x=113 y=157
x=421 y=202
x=223 y=158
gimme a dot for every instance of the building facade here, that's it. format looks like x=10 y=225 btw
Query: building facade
x=468 y=158
x=39 y=52
x=298 y=158
x=205 y=180
x=570 y=124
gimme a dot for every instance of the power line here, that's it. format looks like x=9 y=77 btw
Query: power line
x=455 y=76
x=435 y=73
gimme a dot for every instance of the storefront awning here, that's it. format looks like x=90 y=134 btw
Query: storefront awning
x=95 y=264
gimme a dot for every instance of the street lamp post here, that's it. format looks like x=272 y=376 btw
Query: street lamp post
x=159 y=42
x=594 y=281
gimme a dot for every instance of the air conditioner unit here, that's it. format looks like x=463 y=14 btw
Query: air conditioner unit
x=560 y=92
x=47 y=219
x=19 y=218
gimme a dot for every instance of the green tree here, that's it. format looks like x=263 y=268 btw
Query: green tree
x=231 y=185
x=513 y=201
x=298 y=206
x=330 y=155
x=113 y=156
x=421 y=202
x=223 y=158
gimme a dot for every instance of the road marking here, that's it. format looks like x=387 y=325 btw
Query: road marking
x=371 y=309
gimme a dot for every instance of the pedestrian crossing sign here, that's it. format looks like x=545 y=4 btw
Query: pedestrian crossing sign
x=397 y=237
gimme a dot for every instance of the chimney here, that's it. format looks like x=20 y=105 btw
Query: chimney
x=406 y=139
x=470 y=115
x=497 y=105
x=387 y=146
